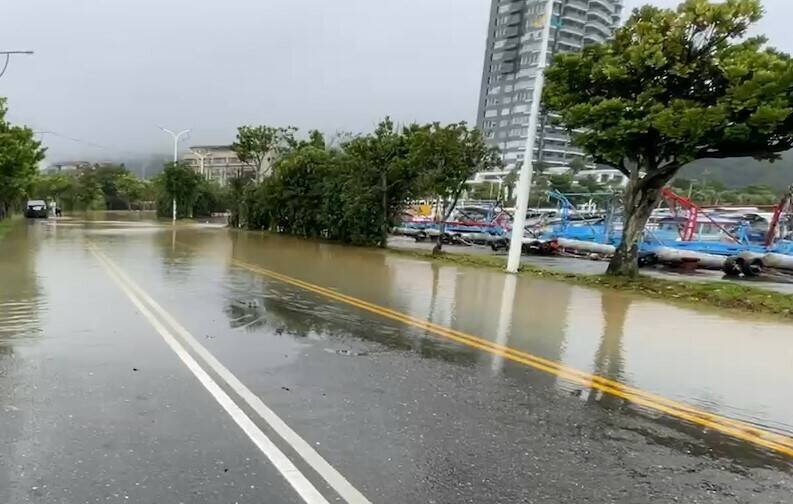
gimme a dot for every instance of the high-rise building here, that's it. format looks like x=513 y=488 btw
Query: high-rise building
x=511 y=59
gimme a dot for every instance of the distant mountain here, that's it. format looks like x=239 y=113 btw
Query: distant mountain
x=741 y=172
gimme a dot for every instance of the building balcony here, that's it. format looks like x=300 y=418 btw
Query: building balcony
x=572 y=29
x=598 y=28
x=510 y=31
x=597 y=15
x=569 y=46
x=506 y=55
x=607 y=5
x=580 y=5
x=513 y=20
x=573 y=15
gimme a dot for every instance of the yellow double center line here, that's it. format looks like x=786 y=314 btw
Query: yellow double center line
x=735 y=428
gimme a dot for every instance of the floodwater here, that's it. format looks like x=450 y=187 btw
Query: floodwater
x=265 y=329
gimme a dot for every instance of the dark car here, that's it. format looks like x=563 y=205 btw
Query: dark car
x=36 y=209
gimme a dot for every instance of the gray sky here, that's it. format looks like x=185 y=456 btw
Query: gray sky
x=110 y=71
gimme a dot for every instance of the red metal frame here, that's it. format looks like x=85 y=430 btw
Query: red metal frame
x=690 y=228
x=784 y=206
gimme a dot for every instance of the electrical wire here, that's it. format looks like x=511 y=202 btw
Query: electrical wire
x=85 y=142
x=5 y=65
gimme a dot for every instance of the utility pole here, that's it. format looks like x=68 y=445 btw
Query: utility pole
x=176 y=137
x=8 y=55
x=527 y=169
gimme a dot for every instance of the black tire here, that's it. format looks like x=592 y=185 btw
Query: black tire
x=753 y=268
x=732 y=267
x=646 y=260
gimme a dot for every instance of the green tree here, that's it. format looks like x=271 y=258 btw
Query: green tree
x=448 y=156
x=56 y=186
x=590 y=184
x=381 y=159
x=510 y=181
x=20 y=155
x=483 y=191
x=88 y=193
x=259 y=146
x=673 y=86
x=578 y=164
x=129 y=188
x=180 y=183
x=562 y=183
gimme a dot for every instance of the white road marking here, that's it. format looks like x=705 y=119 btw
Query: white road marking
x=296 y=479
x=333 y=477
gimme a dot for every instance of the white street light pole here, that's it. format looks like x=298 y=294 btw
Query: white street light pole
x=527 y=169
x=176 y=137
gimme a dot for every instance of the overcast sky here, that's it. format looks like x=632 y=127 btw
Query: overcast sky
x=110 y=71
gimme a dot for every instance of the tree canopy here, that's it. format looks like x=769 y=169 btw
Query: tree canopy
x=20 y=154
x=673 y=86
x=258 y=146
x=449 y=156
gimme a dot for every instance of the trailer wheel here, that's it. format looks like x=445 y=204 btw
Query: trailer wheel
x=733 y=267
x=753 y=268
x=649 y=259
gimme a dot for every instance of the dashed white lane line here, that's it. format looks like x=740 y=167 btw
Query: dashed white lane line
x=296 y=479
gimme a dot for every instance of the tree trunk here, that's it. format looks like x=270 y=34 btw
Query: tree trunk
x=440 y=215
x=641 y=198
x=384 y=223
x=439 y=240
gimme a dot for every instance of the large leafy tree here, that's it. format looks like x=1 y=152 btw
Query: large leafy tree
x=181 y=183
x=20 y=154
x=381 y=159
x=260 y=146
x=671 y=87
x=447 y=157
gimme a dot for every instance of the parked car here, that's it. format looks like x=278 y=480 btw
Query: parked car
x=36 y=209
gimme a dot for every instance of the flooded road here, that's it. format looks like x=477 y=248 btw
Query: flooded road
x=411 y=381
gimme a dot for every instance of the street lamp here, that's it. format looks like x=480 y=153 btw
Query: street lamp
x=176 y=137
x=527 y=169
x=8 y=54
x=202 y=155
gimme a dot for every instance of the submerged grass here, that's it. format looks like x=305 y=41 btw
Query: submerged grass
x=717 y=294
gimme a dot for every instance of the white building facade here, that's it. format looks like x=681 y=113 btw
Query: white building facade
x=220 y=163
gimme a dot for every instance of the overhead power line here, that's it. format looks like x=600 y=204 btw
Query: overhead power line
x=88 y=143
x=7 y=55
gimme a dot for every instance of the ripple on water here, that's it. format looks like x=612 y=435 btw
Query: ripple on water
x=19 y=319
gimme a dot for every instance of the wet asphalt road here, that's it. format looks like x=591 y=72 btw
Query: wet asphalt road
x=96 y=407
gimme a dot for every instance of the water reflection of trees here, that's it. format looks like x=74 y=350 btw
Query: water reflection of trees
x=177 y=260
x=19 y=288
x=258 y=304
x=609 y=360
